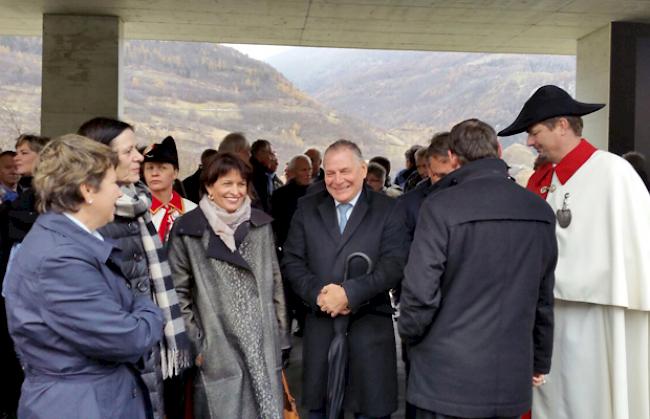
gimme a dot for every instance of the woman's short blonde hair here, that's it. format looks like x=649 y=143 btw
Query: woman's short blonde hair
x=66 y=163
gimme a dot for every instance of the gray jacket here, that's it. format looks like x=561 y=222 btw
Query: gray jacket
x=234 y=311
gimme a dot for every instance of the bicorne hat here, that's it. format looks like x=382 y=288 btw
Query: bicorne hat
x=548 y=102
x=164 y=152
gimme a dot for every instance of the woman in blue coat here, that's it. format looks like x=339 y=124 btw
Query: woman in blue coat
x=78 y=330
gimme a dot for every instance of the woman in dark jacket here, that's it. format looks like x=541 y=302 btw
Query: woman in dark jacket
x=16 y=218
x=142 y=259
x=77 y=328
x=228 y=281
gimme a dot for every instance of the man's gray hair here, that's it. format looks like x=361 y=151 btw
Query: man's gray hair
x=294 y=160
x=345 y=144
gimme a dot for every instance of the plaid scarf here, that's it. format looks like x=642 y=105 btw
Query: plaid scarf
x=174 y=348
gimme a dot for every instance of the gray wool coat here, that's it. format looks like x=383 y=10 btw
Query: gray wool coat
x=234 y=311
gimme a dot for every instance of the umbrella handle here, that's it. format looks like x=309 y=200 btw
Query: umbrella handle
x=356 y=255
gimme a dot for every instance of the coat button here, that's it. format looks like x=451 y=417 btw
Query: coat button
x=134 y=393
x=128 y=285
x=143 y=286
x=137 y=257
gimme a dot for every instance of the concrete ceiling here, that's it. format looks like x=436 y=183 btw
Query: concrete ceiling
x=519 y=26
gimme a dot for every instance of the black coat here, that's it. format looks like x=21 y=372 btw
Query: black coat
x=131 y=259
x=314 y=256
x=260 y=181
x=477 y=298
x=284 y=202
x=192 y=186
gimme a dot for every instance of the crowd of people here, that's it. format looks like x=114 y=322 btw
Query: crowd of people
x=131 y=294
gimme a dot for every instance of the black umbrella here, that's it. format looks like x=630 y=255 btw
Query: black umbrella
x=337 y=357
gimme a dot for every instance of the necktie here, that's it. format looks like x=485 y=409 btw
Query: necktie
x=343 y=215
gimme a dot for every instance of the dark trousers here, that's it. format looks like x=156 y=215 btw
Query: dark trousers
x=426 y=414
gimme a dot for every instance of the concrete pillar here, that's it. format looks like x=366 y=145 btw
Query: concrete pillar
x=592 y=83
x=82 y=71
x=613 y=67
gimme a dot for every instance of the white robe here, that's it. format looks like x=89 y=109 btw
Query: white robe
x=601 y=358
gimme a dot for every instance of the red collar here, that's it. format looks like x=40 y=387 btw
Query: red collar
x=574 y=161
x=176 y=202
x=540 y=181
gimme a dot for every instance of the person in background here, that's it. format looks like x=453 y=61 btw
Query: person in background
x=8 y=177
x=226 y=273
x=192 y=183
x=78 y=330
x=638 y=162
x=18 y=216
x=376 y=177
x=385 y=163
x=160 y=171
x=409 y=160
x=391 y=190
x=142 y=259
x=16 y=219
x=284 y=202
x=264 y=163
x=421 y=173
x=317 y=172
x=236 y=143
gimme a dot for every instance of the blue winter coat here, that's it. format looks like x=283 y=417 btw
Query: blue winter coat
x=77 y=328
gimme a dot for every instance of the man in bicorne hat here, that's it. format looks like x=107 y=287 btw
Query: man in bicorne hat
x=602 y=280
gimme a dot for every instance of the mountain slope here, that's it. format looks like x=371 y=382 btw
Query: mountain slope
x=196 y=92
x=414 y=94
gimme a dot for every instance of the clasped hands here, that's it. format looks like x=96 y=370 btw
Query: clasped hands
x=333 y=300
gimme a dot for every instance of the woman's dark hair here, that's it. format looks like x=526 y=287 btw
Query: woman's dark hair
x=103 y=129
x=220 y=165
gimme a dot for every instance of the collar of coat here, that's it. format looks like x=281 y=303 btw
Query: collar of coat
x=194 y=224
x=66 y=227
x=175 y=202
x=487 y=167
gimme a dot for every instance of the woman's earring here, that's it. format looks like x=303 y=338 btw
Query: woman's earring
x=90 y=202
x=210 y=197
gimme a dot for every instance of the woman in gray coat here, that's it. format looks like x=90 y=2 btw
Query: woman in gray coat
x=227 y=277
x=77 y=328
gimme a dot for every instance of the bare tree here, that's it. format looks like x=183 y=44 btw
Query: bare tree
x=9 y=117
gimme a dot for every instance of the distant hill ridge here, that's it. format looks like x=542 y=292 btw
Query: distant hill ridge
x=384 y=100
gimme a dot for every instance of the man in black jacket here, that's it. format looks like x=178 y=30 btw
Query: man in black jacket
x=477 y=298
x=264 y=180
x=327 y=227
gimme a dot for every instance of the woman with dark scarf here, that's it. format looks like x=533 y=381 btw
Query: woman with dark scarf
x=143 y=260
x=226 y=273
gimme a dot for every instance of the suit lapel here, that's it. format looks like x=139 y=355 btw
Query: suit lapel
x=328 y=215
x=356 y=218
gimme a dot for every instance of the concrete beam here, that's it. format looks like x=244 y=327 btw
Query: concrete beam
x=82 y=71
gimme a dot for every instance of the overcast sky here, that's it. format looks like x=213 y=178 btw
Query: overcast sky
x=258 y=52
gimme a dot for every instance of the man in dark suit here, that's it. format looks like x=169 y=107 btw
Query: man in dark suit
x=326 y=228
x=264 y=163
x=477 y=299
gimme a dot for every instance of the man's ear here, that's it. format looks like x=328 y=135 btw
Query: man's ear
x=364 y=169
x=453 y=158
